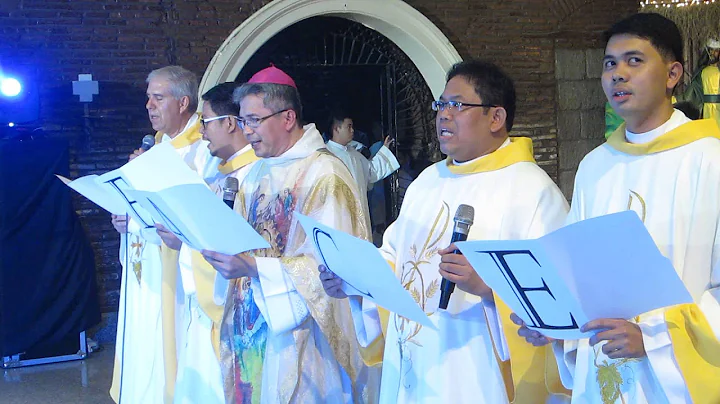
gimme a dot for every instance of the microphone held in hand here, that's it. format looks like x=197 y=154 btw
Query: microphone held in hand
x=463 y=220
x=230 y=190
x=147 y=142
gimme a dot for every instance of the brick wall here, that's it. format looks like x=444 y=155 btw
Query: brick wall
x=119 y=42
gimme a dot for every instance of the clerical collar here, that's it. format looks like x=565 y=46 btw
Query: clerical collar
x=310 y=142
x=515 y=150
x=455 y=162
x=239 y=152
x=676 y=120
x=240 y=159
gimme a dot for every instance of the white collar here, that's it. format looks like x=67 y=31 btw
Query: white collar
x=505 y=143
x=676 y=119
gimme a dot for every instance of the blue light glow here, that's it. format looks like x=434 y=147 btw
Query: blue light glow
x=10 y=87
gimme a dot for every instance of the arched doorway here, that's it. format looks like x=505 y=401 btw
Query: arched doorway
x=338 y=63
x=428 y=48
x=383 y=60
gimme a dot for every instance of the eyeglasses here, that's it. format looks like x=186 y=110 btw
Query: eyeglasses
x=254 y=123
x=204 y=121
x=457 y=106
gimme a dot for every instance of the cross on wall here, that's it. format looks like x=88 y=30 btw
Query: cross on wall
x=85 y=87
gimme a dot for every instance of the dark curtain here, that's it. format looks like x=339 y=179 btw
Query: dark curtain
x=47 y=272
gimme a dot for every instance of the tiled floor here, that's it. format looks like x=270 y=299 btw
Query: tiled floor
x=81 y=382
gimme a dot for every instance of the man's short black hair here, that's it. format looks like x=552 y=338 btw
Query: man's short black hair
x=337 y=116
x=662 y=33
x=220 y=98
x=491 y=84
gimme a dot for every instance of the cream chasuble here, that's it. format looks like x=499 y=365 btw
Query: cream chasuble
x=673 y=183
x=139 y=340
x=466 y=361
x=283 y=339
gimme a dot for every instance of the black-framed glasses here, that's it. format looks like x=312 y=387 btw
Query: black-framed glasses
x=204 y=121
x=254 y=122
x=457 y=106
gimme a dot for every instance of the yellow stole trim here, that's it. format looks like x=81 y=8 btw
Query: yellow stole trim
x=186 y=138
x=519 y=150
x=680 y=136
x=238 y=162
x=533 y=372
x=697 y=351
x=204 y=275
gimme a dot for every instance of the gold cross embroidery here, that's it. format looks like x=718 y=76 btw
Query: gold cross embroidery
x=137 y=247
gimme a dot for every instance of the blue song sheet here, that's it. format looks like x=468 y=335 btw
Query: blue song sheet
x=365 y=272
x=604 y=267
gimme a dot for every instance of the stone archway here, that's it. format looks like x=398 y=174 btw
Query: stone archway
x=428 y=48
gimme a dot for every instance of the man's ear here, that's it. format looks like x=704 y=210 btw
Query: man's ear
x=499 y=116
x=232 y=124
x=184 y=103
x=675 y=74
x=290 y=119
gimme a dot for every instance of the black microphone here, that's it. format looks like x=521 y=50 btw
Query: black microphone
x=230 y=190
x=147 y=142
x=463 y=220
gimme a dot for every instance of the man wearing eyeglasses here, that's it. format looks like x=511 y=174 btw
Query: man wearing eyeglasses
x=142 y=367
x=283 y=339
x=199 y=377
x=475 y=356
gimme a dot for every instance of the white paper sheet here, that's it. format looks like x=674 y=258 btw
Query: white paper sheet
x=200 y=219
x=159 y=187
x=605 y=267
x=362 y=268
x=88 y=187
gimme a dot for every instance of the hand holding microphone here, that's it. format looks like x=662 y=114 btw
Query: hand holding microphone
x=455 y=268
x=147 y=142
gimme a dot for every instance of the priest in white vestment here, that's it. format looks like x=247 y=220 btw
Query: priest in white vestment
x=475 y=357
x=283 y=339
x=365 y=172
x=666 y=168
x=199 y=378
x=139 y=375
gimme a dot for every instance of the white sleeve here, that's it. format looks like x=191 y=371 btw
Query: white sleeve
x=366 y=320
x=276 y=297
x=496 y=330
x=658 y=346
x=565 y=356
x=382 y=164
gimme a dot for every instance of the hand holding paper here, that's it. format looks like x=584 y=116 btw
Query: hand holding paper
x=559 y=282
x=232 y=266
x=364 y=271
x=159 y=187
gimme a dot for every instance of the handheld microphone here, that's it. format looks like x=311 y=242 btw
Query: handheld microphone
x=147 y=142
x=463 y=220
x=229 y=191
